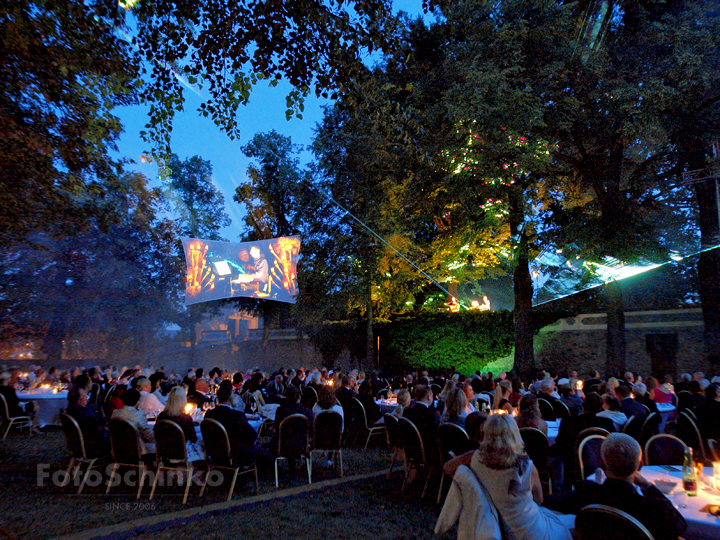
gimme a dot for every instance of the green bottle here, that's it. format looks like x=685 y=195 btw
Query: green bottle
x=689 y=475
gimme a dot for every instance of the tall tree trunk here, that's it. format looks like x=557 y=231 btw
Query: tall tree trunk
x=522 y=288
x=615 y=336
x=709 y=264
x=370 y=359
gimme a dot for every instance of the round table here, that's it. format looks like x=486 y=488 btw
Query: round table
x=387 y=406
x=47 y=405
x=701 y=525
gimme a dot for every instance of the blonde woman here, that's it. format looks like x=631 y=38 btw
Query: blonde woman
x=501 y=400
x=455 y=404
x=512 y=482
x=611 y=385
x=175 y=412
x=404 y=400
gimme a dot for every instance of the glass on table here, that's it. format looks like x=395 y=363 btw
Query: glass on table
x=680 y=498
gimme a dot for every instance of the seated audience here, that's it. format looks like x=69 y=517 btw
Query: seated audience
x=327 y=402
x=241 y=434
x=708 y=413
x=455 y=408
x=501 y=399
x=149 y=403
x=625 y=489
x=529 y=414
x=629 y=406
x=372 y=410
x=474 y=423
x=404 y=400
x=665 y=393
x=427 y=421
x=640 y=392
x=92 y=424
x=611 y=410
x=512 y=483
x=175 y=412
x=568 y=395
x=201 y=394
x=137 y=419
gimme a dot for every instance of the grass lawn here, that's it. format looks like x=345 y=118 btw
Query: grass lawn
x=359 y=509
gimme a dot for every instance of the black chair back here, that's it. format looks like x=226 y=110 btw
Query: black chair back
x=125 y=442
x=170 y=443
x=359 y=415
x=632 y=427
x=650 y=427
x=309 y=397
x=414 y=449
x=435 y=390
x=561 y=410
x=217 y=443
x=73 y=436
x=600 y=522
x=392 y=428
x=294 y=437
x=473 y=426
x=328 y=431
x=94 y=394
x=664 y=450
x=689 y=433
x=4 y=410
x=454 y=441
x=589 y=455
x=546 y=410
x=382 y=393
x=536 y=446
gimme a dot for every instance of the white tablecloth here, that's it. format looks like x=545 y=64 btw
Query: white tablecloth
x=387 y=406
x=47 y=405
x=553 y=430
x=701 y=526
x=664 y=409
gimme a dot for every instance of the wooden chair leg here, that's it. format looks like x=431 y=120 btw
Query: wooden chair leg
x=308 y=464
x=232 y=485
x=112 y=477
x=442 y=483
x=342 y=473
x=143 y=472
x=189 y=482
x=85 y=476
x=202 y=489
x=66 y=481
x=277 y=483
x=155 y=480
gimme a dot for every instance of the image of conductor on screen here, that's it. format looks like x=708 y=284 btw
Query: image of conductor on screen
x=257 y=277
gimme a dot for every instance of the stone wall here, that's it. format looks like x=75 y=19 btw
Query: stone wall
x=579 y=342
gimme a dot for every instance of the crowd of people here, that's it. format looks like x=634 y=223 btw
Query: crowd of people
x=474 y=402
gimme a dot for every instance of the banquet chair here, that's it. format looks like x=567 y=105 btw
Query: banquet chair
x=589 y=454
x=361 y=422
x=600 y=522
x=714 y=450
x=394 y=440
x=19 y=421
x=171 y=453
x=664 y=449
x=414 y=452
x=537 y=447
x=294 y=443
x=435 y=390
x=126 y=451
x=454 y=441
x=561 y=410
x=546 y=410
x=689 y=433
x=650 y=427
x=76 y=445
x=109 y=393
x=473 y=426
x=632 y=427
x=382 y=393
x=309 y=397
x=328 y=435
x=219 y=455
x=94 y=394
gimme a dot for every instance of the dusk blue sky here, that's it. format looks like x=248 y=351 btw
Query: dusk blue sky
x=195 y=135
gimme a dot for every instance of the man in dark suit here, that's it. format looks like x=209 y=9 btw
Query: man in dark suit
x=92 y=424
x=275 y=390
x=8 y=392
x=594 y=380
x=629 y=406
x=427 y=421
x=622 y=457
x=201 y=393
x=241 y=434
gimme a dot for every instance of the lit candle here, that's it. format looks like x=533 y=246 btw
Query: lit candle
x=189 y=408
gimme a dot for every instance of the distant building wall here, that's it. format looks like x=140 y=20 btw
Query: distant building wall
x=579 y=342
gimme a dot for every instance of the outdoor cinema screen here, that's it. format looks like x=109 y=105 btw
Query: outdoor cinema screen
x=264 y=269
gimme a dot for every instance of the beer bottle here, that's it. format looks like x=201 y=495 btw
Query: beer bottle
x=689 y=475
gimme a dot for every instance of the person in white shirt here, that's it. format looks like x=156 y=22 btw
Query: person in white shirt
x=137 y=419
x=611 y=410
x=149 y=403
